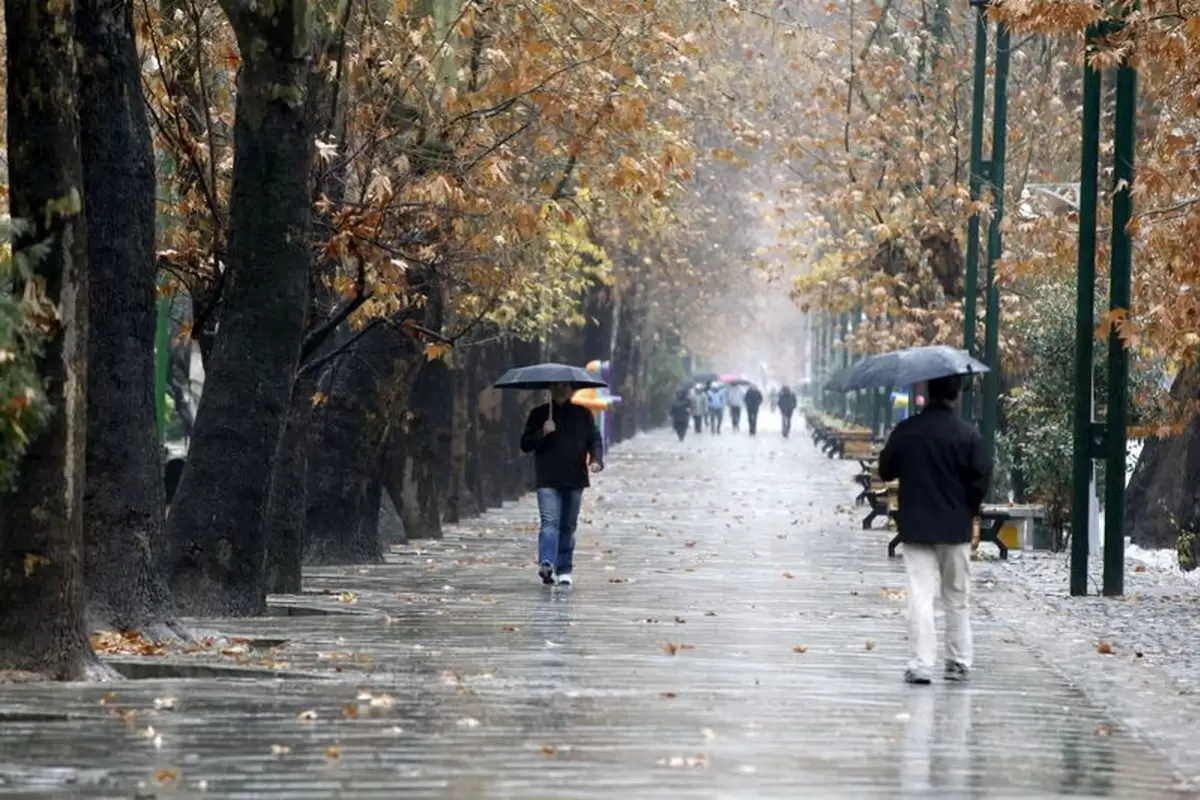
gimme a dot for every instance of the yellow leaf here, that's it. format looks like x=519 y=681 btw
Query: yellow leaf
x=319 y=399
x=436 y=350
x=32 y=562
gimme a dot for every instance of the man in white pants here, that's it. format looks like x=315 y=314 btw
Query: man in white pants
x=943 y=471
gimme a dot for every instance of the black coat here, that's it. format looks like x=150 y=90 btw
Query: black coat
x=943 y=471
x=754 y=399
x=561 y=459
x=786 y=402
x=681 y=411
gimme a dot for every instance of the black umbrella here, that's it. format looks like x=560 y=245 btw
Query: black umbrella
x=904 y=368
x=704 y=377
x=545 y=376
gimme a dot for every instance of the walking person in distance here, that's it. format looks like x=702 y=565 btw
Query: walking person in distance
x=787 y=406
x=681 y=413
x=943 y=469
x=716 y=407
x=699 y=407
x=563 y=444
x=753 y=400
x=735 y=397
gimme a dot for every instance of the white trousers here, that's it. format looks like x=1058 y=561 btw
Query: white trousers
x=928 y=566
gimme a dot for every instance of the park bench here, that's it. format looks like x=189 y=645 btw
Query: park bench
x=849 y=442
x=990 y=525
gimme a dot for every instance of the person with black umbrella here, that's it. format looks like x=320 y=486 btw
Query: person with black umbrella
x=565 y=442
x=943 y=469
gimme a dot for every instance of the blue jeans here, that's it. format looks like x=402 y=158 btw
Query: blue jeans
x=559 y=512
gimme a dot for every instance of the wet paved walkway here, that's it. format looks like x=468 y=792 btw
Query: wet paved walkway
x=730 y=635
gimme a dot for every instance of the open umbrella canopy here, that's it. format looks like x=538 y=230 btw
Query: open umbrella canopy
x=543 y=376
x=904 y=368
x=735 y=380
x=703 y=377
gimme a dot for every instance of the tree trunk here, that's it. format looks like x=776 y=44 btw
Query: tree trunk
x=415 y=453
x=287 y=500
x=493 y=436
x=1162 y=503
x=42 y=631
x=216 y=524
x=123 y=492
x=367 y=390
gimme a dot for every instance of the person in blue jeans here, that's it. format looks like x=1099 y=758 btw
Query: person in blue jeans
x=563 y=444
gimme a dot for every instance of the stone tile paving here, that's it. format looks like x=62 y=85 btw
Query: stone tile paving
x=729 y=636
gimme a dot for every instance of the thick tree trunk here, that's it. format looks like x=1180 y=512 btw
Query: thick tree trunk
x=123 y=495
x=42 y=630
x=415 y=453
x=366 y=394
x=287 y=500
x=1162 y=503
x=493 y=436
x=216 y=524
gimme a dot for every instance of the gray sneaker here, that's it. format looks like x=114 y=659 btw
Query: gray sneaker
x=917 y=676
x=957 y=671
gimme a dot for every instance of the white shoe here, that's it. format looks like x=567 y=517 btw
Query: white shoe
x=565 y=580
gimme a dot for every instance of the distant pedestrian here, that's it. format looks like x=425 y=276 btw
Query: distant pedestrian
x=943 y=470
x=562 y=444
x=735 y=397
x=773 y=396
x=699 y=407
x=716 y=407
x=681 y=413
x=787 y=406
x=754 y=401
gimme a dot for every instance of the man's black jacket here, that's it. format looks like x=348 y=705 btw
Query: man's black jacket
x=560 y=459
x=754 y=399
x=943 y=471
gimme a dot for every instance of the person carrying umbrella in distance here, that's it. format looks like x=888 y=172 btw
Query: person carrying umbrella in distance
x=565 y=444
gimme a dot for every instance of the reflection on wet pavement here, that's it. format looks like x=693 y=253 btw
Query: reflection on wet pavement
x=729 y=636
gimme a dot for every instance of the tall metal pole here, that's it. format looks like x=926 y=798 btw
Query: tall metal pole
x=1085 y=313
x=1124 y=141
x=991 y=344
x=971 y=279
x=845 y=338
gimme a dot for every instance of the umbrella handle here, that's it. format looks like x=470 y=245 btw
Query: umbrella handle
x=550 y=407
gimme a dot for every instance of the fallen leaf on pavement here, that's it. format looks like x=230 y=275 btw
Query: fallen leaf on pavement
x=549 y=750
x=1140 y=568
x=870 y=644
x=799 y=649
x=280 y=749
x=1104 y=730
x=350 y=711
x=510 y=629
x=1105 y=648
x=307 y=715
x=669 y=695
x=166 y=776
x=349 y=598
x=333 y=752
x=788 y=575
x=468 y=722
x=164 y=703
x=710 y=613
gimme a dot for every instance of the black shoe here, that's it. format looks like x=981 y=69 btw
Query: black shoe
x=916 y=677
x=957 y=672
x=546 y=573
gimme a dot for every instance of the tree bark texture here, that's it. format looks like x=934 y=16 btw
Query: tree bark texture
x=217 y=531
x=1162 y=502
x=367 y=391
x=42 y=629
x=123 y=492
x=287 y=500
